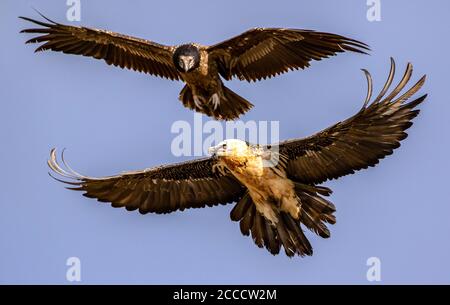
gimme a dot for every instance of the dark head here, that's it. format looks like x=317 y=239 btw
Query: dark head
x=186 y=58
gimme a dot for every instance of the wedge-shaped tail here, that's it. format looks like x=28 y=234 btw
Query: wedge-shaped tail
x=315 y=212
x=227 y=107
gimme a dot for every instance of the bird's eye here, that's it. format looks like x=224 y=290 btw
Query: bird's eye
x=224 y=145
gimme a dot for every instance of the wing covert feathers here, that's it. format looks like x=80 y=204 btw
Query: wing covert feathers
x=163 y=189
x=266 y=52
x=114 y=48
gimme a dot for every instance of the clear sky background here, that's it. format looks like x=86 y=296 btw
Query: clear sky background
x=112 y=120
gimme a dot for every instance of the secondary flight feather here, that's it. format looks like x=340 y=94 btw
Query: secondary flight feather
x=277 y=188
x=253 y=55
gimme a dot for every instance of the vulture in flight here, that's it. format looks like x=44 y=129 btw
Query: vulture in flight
x=277 y=188
x=253 y=55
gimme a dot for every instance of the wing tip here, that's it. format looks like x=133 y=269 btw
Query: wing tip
x=418 y=101
x=391 y=98
x=369 y=88
x=43 y=16
x=41 y=23
x=64 y=171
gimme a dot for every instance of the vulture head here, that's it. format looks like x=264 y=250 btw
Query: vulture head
x=186 y=58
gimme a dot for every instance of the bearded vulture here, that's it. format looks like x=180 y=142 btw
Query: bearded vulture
x=253 y=55
x=277 y=188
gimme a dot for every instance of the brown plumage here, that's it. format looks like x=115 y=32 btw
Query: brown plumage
x=273 y=202
x=254 y=55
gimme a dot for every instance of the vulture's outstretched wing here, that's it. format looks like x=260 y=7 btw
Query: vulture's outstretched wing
x=360 y=141
x=163 y=189
x=260 y=53
x=116 y=49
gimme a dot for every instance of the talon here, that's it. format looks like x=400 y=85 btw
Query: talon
x=215 y=100
x=198 y=102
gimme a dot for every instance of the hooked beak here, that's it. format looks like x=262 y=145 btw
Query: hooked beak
x=187 y=63
x=212 y=151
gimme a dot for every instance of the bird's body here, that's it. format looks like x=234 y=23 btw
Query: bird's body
x=203 y=90
x=277 y=189
x=268 y=186
x=271 y=191
x=256 y=54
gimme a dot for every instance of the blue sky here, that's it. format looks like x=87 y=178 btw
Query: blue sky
x=112 y=120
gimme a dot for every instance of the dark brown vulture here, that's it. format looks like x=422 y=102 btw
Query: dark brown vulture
x=254 y=55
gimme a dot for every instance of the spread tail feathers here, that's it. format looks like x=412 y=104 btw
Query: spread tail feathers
x=287 y=232
x=227 y=107
x=316 y=210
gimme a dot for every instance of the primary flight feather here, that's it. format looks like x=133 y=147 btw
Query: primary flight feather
x=253 y=55
x=276 y=187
